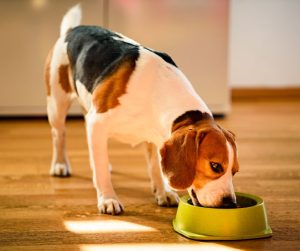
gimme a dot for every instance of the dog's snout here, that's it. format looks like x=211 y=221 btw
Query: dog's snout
x=228 y=202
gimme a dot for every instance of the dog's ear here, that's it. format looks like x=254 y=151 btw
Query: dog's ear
x=179 y=158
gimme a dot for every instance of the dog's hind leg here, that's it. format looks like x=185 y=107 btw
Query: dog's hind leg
x=59 y=97
x=163 y=195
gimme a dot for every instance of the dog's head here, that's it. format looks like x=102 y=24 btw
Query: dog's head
x=202 y=158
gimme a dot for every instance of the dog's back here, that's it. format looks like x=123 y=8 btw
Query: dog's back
x=96 y=53
x=90 y=56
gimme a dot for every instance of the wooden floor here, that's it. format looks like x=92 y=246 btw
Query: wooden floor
x=38 y=212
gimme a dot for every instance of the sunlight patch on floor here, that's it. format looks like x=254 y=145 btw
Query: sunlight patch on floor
x=158 y=247
x=107 y=226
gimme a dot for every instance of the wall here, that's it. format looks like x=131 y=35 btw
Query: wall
x=264 y=43
x=194 y=33
x=28 y=31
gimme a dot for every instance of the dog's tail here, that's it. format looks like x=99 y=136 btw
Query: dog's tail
x=71 y=19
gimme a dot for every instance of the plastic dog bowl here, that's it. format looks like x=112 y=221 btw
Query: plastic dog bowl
x=249 y=221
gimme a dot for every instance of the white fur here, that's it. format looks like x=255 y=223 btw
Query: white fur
x=125 y=39
x=71 y=19
x=84 y=97
x=156 y=94
x=164 y=196
x=97 y=142
x=212 y=193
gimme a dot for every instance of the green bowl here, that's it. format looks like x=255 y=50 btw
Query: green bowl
x=249 y=221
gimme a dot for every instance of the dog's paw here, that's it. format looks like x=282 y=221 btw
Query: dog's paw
x=60 y=170
x=110 y=206
x=167 y=199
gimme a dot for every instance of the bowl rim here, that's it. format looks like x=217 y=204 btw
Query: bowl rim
x=259 y=201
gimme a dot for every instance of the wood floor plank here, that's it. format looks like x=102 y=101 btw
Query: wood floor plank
x=35 y=209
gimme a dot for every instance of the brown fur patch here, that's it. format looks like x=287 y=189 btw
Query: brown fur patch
x=106 y=94
x=63 y=74
x=179 y=157
x=212 y=149
x=47 y=72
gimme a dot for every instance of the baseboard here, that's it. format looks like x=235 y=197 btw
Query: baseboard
x=265 y=93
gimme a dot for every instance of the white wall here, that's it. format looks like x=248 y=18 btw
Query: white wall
x=264 y=43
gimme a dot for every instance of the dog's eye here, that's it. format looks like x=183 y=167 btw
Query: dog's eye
x=216 y=167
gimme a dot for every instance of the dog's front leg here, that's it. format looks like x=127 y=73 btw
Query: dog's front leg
x=108 y=202
x=163 y=194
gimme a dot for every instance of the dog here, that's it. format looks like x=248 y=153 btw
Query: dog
x=136 y=94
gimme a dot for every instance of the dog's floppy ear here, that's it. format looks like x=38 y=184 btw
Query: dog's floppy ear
x=179 y=158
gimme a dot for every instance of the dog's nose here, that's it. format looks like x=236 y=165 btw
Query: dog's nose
x=228 y=202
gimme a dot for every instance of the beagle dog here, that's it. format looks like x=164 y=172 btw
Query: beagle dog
x=136 y=94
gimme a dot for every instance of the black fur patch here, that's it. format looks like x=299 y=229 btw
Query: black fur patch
x=164 y=56
x=192 y=117
x=95 y=54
